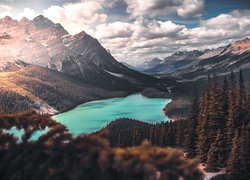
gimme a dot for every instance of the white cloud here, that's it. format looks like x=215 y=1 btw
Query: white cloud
x=141 y=39
x=78 y=16
x=5 y=10
x=191 y=8
x=28 y=13
x=154 y=8
x=151 y=8
x=8 y=11
x=145 y=39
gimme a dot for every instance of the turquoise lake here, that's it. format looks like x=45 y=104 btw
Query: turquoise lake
x=92 y=116
x=20 y=132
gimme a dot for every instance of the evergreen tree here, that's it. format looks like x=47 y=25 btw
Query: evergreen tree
x=193 y=118
x=233 y=163
x=247 y=109
x=225 y=102
x=231 y=106
x=162 y=135
x=215 y=111
x=240 y=103
x=202 y=110
x=170 y=135
x=216 y=156
x=179 y=135
x=245 y=152
x=239 y=159
x=202 y=143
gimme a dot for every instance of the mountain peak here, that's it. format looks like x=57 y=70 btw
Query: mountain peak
x=241 y=46
x=43 y=23
x=7 y=18
x=24 y=20
x=40 y=17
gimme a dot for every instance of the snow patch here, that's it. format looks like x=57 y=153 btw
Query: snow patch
x=123 y=77
x=44 y=108
x=115 y=74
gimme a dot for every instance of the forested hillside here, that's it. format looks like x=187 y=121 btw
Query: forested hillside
x=217 y=129
x=45 y=90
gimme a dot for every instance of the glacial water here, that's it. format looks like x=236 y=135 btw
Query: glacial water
x=92 y=116
x=18 y=133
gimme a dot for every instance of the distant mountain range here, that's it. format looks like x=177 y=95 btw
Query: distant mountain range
x=218 y=61
x=191 y=64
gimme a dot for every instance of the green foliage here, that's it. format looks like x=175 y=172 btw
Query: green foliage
x=191 y=132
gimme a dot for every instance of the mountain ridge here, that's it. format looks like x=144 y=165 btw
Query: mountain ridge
x=183 y=59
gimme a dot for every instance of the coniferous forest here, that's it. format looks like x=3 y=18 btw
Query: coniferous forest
x=216 y=130
x=216 y=133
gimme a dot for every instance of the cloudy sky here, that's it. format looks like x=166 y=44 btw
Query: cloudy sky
x=139 y=30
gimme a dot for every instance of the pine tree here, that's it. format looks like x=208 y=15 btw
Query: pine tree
x=179 y=135
x=162 y=135
x=225 y=102
x=216 y=156
x=233 y=163
x=202 y=143
x=215 y=111
x=202 y=110
x=193 y=118
x=170 y=135
x=245 y=152
x=152 y=134
x=231 y=111
x=239 y=160
x=240 y=103
x=246 y=120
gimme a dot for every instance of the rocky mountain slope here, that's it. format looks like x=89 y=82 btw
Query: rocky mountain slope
x=173 y=62
x=46 y=90
x=193 y=64
x=220 y=61
x=44 y=43
x=45 y=68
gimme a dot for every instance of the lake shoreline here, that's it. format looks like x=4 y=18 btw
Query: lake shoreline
x=148 y=93
x=92 y=116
